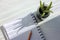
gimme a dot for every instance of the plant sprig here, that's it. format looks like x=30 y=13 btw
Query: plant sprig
x=45 y=10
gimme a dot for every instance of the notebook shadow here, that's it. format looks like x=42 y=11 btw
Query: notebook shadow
x=26 y=21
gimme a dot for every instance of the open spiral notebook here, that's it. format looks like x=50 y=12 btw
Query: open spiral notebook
x=48 y=31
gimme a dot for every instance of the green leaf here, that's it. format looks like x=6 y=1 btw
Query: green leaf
x=47 y=11
x=43 y=14
x=41 y=5
x=49 y=6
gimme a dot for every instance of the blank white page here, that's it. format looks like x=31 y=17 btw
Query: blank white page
x=51 y=29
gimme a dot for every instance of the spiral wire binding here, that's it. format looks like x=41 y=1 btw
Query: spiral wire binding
x=38 y=27
x=41 y=33
x=34 y=18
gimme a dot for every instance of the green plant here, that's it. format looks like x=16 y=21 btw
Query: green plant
x=45 y=9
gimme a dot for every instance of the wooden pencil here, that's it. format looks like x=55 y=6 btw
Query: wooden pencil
x=30 y=34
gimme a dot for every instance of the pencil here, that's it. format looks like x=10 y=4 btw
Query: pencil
x=30 y=34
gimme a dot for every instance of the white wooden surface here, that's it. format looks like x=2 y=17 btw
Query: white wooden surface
x=13 y=9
